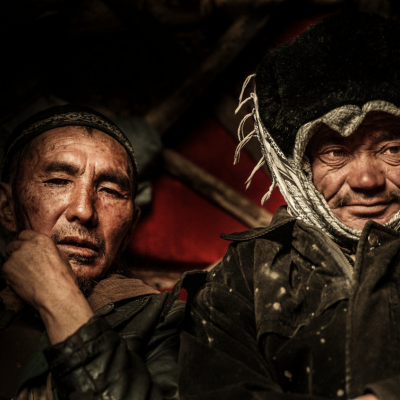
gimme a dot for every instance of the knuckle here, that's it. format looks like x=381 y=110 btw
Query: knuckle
x=6 y=270
x=43 y=239
x=25 y=245
x=5 y=266
x=23 y=234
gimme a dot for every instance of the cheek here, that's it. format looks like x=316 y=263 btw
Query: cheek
x=117 y=224
x=328 y=182
x=41 y=208
x=319 y=175
x=392 y=174
x=30 y=201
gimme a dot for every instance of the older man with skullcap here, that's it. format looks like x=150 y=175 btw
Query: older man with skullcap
x=71 y=324
x=309 y=307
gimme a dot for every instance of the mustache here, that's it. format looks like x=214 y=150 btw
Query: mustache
x=354 y=198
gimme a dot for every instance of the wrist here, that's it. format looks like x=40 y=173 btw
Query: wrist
x=64 y=314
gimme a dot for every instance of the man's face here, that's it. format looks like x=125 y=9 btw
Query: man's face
x=359 y=176
x=76 y=189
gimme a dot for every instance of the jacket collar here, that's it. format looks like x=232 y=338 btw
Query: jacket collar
x=280 y=219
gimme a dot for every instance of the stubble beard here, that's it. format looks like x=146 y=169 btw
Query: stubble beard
x=349 y=197
x=86 y=285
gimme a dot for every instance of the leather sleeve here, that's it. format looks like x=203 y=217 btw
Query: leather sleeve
x=98 y=363
x=161 y=362
x=387 y=389
x=219 y=355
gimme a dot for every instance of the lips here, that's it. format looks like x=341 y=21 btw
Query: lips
x=368 y=209
x=369 y=204
x=73 y=244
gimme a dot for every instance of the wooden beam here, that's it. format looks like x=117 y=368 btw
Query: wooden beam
x=168 y=112
x=227 y=48
x=215 y=190
x=232 y=6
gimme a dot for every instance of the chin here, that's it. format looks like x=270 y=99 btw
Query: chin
x=358 y=223
x=87 y=271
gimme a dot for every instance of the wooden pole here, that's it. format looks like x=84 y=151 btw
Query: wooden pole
x=215 y=190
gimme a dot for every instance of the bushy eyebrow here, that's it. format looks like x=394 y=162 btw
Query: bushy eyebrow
x=59 y=166
x=118 y=178
x=389 y=135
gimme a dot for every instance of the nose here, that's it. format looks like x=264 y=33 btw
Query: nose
x=365 y=173
x=82 y=206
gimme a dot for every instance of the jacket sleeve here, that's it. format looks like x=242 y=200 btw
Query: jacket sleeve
x=219 y=355
x=387 y=389
x=98 y=363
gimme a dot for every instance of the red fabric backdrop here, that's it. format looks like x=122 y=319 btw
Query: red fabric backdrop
x=181 y=231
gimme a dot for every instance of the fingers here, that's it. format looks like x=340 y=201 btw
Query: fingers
x=28 y=234
x=25 y=236
x=13 y=246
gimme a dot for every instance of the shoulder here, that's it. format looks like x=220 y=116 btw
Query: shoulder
x=253 y=247
x=141 y=314
x=234 y=274
x=281 y=222
x=155 y=305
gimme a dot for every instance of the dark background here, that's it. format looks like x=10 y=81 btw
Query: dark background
x=125 y=58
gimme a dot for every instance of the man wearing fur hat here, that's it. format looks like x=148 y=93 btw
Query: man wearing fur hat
x=71 y=324
x=309 y=308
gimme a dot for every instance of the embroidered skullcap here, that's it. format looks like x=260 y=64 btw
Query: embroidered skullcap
x=57 y=117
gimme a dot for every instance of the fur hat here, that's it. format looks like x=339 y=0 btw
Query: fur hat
x=342 y=59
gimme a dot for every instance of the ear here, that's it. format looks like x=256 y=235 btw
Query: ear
x=7 y=215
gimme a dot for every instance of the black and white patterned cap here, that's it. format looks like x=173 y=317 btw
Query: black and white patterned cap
x=60 y=116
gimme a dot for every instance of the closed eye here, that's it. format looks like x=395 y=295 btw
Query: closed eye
x=57 y=182
x=112 y=192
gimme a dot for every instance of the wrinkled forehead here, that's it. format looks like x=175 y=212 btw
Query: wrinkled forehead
x=74 y=150
x=375 y=128
x=79 y=140
x=66 y=136
x=20 y=140
x=378 y=117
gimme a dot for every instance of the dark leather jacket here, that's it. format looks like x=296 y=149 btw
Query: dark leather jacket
x=124 y=352
x=285 y=316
